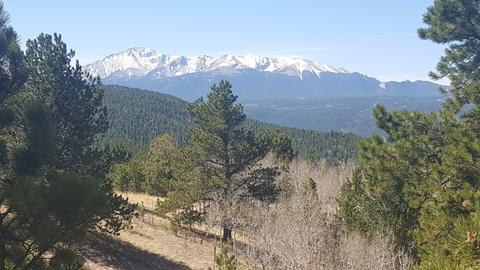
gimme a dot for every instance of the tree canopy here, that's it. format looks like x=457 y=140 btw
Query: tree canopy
x=52 y=182
x=226 y=159
x=422 y=181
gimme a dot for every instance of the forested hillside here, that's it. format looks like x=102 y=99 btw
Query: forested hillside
x=140 y=115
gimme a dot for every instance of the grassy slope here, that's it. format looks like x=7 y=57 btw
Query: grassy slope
x=149 y=245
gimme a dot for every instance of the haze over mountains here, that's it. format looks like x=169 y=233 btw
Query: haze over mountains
x=253 y=77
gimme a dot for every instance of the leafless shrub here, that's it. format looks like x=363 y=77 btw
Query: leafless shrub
x=302 y=232
x=355 y=252
x=329 y=179
x=292 y=235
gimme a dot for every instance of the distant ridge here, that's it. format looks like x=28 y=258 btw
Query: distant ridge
x=136 y=62
x=253 y=77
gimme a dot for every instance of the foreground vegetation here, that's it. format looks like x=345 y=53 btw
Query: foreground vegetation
x=300 y=232
x=422 y=182
x=53 y=185
x=268 y=207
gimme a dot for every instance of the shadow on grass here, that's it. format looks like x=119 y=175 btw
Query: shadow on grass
x=117 y=254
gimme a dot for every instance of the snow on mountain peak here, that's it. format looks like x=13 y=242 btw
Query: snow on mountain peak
x=138 y=62
x=134 y=62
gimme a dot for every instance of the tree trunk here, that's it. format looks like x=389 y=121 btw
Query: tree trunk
x=227 y=234
x=2 y=253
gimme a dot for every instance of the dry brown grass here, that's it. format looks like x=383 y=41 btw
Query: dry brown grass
x=149 y=239
x=148 y=201
x=104 y=252
x=150 y=244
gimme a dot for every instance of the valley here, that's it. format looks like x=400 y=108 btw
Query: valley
x=349 y=115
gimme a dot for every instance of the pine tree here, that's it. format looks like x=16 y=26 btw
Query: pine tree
x=226 y=260
x=12 y=78
x=159 y=163
x=151 y=171
x=74 y=98
x=422 y=182
x=53 y=186
x=228 y=157
x=12 y=68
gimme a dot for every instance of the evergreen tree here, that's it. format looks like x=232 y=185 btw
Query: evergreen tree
x=12 y=78
x=159 y=163
x=226 y=260
x=74 y=98
x=12 y=69
x=52 y=185
x=227 y=157
x=423 y=181
x=12 y=74
x=151 y=172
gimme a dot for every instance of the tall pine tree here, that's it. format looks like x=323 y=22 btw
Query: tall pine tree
x=51 y=188
x=422 y=182
x=227 y=157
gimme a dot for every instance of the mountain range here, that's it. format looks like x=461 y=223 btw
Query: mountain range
x=252 y=77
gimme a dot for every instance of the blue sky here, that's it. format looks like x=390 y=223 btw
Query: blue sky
x=374 y=37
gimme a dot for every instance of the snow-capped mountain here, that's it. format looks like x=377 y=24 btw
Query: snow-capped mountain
x=252 y=77
x=138 y=62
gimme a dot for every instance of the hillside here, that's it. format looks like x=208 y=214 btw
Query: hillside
x=140 y=115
